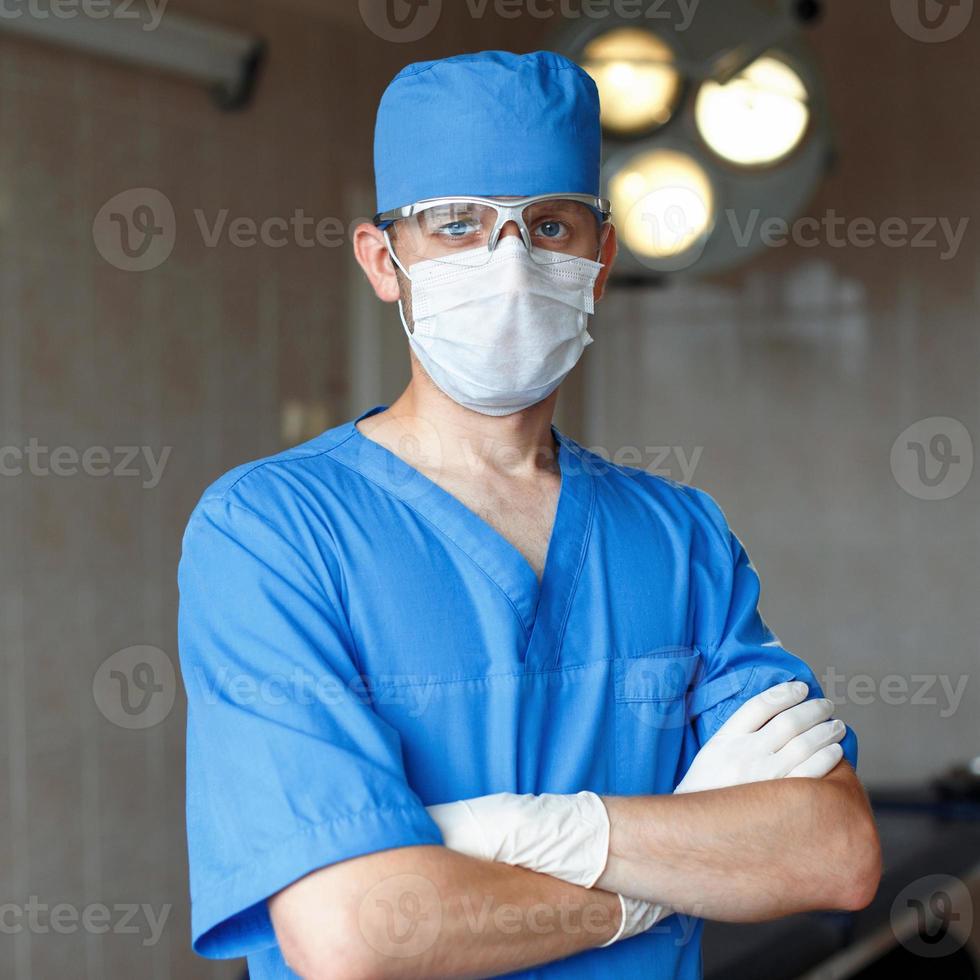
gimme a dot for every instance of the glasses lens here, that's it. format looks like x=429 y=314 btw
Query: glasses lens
x=561 y=230
x=460 y=232
x=457 y=232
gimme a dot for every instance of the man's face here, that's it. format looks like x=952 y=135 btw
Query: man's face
x=555 y=228
x=390 y=284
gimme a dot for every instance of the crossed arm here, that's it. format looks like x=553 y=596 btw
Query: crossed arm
x=705 y=851
x=748 y=853
x=707 y=854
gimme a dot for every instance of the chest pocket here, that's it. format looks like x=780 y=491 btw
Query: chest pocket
x=651 y=717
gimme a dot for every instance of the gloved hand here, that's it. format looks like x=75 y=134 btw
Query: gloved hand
x=565 y=836
x=770 y=736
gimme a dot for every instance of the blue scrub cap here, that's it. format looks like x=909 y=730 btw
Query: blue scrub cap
x=491 y=124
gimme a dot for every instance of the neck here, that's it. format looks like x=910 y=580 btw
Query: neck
x=424 y=421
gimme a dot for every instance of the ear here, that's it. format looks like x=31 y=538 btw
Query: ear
x=607 y=256
x=372 y=256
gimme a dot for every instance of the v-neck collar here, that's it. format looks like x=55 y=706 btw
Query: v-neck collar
x=542 y=608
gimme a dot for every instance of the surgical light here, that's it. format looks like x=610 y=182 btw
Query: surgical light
x=758 y=118
x=665 y=204
x=716 y=127
x=639 y=84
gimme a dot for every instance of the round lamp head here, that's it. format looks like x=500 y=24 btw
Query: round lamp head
x=664 y=204
x=758 y=118
x=639 y=84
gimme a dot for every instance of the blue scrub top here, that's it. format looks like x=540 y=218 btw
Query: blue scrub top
x=356 y=644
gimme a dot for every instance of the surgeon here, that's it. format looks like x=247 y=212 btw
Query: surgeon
x=465 y=699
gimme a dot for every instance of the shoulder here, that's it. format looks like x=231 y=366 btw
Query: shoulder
x=275 y=489
x=620 y=485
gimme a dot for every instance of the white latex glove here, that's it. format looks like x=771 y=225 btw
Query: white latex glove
x=565 y=836
x=770 y=736
x=637 y=917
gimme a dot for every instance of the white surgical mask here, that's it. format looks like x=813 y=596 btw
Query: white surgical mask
x=498 y=336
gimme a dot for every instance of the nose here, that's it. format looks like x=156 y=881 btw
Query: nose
x=510 y=228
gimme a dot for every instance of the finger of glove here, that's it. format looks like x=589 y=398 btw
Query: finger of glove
x=795 y=721
x=799 y=749
x=752 y=715
x=820 y=763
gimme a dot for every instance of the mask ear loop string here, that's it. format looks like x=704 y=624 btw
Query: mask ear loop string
x=397 y=261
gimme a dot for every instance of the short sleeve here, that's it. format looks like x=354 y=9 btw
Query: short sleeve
x=289 y=768
x=742 y=655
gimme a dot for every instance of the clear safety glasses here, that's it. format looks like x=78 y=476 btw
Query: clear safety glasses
x=554 y=227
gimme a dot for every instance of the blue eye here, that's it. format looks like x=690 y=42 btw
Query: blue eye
x=456 y=229
x=550 y=229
